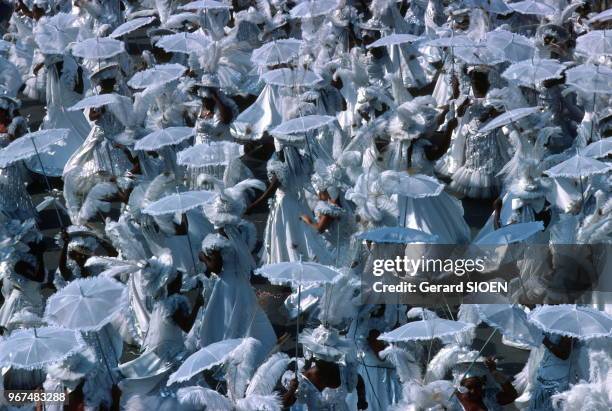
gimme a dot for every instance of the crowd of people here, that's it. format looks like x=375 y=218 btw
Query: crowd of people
x=209 y=167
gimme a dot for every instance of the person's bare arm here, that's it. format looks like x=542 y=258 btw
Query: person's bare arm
x=110 y=250
x=63 y=267
x=38 y=249
x=37 y=68
x=497 y=207
x=362 y=403
x=508 y=393
x=427 y=89
x=289 y=397
x=323 y=222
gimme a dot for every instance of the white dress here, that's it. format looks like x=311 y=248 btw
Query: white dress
x=61 y=96
x=287 y=238
x=15 y=202
x=338 y=234
x=233 y=310
x=553 y=376
x=21 y=296
x=483 y=157
x=311 y=399
x=209 y=130
x=441 y=215
x=382 y=385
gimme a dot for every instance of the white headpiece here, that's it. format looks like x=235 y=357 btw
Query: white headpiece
x=157 y=272
x=327 y=177
x=413 y=118
x=214 y=242
x=325 y=344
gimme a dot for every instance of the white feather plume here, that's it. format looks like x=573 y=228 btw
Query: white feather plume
x=208 y=179
x=523 y=381
x=96 y=201
x=111 y=266
x=125 y=238
x=259 y=403
x=585 y=397
x=434 y=395
x=159 y=186
x=442 y=362
x=241 y=366
x=237 y=192
x=197 y=398
x=423 y=313
x=268 y=374
x=404 y=362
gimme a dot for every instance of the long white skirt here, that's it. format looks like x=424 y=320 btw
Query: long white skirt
x=233 y=312
x=58 y=101
x=441 y=215
x=287 y=238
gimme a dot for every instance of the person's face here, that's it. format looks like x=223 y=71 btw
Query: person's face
x=381 y=145
x=174 y=287
x=480 y=83
x=326 y=366
x=323 y=195
x=208 y=103
x=4 y=116
x=37 y=12
x=377 y=52
x=78 y=257
x=25 y=269
x=161 y=55
x=213 y=261
x=95 y=113
x=337 y=82
x=107 y=85
x=375 y=344
x=461 y=22
x=606 y=128
x=474 y=387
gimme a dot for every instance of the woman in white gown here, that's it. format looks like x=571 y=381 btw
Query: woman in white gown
x=480 y=155
x=329 y=378
x=233 y=310
x=64 y=89
x=161 y=316
x=287 y=237
x=212 y=123
x=441 y=215
x=554 y=372
x=22 y=275
x=333 y=216
x=15 y=202
x=180 y=233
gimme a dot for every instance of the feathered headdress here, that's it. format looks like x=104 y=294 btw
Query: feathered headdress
x=325 y=344
x=227 y=207
x=328 y=178
x=215 y=242
x=413 y=118
x=157 y=272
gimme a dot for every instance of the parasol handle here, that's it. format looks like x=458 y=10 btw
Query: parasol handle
x=110 y=373
x=42 y=168
x=297 y=319
x=191 y=252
